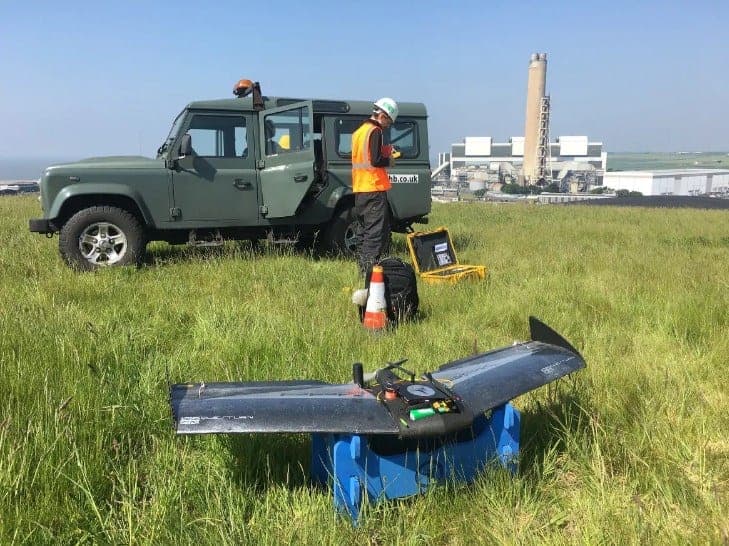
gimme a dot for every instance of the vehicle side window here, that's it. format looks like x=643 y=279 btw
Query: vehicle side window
x=402 y=134
x=241 y=140
x=343 y=130
x=288 y=131
x=218 y=136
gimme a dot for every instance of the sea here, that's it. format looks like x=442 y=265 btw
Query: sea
x=27 y=169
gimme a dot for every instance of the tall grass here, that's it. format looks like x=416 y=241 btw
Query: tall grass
x=632 y=449
x=666 y=160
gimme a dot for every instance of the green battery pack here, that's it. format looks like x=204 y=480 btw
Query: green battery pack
x=422 y=413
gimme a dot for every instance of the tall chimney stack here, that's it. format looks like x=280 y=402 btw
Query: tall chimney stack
x=535 y=92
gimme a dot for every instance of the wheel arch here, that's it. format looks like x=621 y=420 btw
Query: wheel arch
x=74 y=201
x=346 y=201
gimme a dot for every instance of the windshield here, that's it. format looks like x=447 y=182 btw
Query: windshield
x=172 y=134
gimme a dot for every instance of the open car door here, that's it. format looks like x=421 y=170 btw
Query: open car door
x=287 y=153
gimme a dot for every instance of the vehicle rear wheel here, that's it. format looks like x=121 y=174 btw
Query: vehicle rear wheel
x=100 y=237
x=340 y=236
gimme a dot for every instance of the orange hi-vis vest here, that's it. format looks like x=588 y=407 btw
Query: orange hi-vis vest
x=365 y=177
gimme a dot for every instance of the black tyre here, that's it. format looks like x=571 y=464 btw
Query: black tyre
x=100 y=237
x=340 y=235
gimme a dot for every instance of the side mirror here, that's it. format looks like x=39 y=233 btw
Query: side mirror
x=185 y=146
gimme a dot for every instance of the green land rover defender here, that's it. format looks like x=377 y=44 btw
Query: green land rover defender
x=253 y=168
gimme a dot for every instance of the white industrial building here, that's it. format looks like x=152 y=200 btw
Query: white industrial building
x=670 y=181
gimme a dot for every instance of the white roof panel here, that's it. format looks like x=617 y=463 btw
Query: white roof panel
x=572 y=145
x=478 y=146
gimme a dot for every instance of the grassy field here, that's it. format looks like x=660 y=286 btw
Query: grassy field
x=633 y=449
x=649 y=161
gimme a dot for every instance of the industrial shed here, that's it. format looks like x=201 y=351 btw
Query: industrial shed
x=670 y=181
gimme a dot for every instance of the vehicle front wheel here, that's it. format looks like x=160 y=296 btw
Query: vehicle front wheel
x=102 y=236
x=340 y=236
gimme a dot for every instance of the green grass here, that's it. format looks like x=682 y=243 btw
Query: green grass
x=633 y=449
x=668 y=160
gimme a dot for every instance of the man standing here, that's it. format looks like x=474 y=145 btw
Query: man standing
x=370 y=183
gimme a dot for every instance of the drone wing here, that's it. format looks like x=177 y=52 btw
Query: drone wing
x=490 y=379
x=282 y=406
x=482 y=382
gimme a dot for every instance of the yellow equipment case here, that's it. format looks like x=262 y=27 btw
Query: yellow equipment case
x=435 y=258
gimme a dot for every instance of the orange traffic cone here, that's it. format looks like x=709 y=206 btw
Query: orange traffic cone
x=375 y=317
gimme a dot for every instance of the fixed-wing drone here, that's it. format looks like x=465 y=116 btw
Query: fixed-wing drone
x=398 y=404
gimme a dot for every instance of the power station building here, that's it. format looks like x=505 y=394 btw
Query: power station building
x=479 y=157
x=573 y=162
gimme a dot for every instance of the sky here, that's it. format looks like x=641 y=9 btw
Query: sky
x=89 y=78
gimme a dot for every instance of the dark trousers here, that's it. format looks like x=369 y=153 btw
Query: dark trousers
x=372 y=215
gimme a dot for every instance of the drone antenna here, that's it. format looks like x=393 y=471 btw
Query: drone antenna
x=358 y=374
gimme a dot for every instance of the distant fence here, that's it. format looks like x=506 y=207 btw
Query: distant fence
x=570 y=197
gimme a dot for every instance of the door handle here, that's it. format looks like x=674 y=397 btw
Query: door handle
x=300 y=178
x=242 y=184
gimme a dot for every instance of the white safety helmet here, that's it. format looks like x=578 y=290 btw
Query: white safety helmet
x=389 y=106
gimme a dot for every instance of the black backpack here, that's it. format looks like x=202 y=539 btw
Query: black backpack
x=401 y=289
